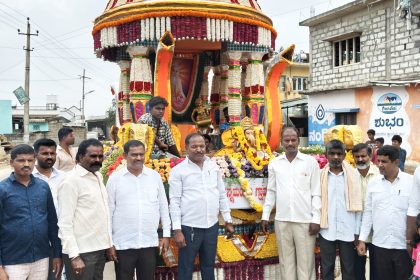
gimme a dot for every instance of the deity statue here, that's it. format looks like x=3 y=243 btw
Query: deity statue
x=249 y=132
x=201 y=116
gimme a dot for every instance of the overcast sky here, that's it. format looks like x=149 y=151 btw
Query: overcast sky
x=64 y=47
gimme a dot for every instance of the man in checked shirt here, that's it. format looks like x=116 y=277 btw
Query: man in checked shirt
x=164 y=141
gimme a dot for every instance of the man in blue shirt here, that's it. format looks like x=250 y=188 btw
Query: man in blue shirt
x=28 y=221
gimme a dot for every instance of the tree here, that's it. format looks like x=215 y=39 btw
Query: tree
x=110 y=116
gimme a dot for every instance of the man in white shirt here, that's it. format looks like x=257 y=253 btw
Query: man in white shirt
x=197 y=194
x=385 y=212
x=341 y=213
x=413 y=207
x=293 y=187
x=137 y=201
x=84 y=225
x=362 y=154
x=66 y=153
x=45 y=154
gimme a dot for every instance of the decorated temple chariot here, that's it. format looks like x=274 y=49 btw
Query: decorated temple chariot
x=213 y=61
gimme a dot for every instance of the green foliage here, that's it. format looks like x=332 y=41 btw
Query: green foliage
x=110 y=116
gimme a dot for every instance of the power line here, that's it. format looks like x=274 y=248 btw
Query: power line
x=11 y=67
x=93 y=68
x=16 y=11
x=55 y=68
x=8 y=24
x=52 y=80
x=48 y=41
x=298 y=9
x=59 y=82
x=67 y=33
x=65 y=58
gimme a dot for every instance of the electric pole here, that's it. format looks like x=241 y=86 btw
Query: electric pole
x=28 y=50
x=83 y=77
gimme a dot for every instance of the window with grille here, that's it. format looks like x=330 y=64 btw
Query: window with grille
x=346 y=51
x=299 y=83
x=345 y=118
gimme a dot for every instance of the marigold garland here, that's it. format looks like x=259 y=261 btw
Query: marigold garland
x=227 y=251
x=150 y=141
x=244 y=215
x=245 y=186
x=269 y=248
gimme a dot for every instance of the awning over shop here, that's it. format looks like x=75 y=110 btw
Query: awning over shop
x=294 y=103
x=343 y=110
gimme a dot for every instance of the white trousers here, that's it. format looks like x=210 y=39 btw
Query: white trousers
x=296 y=251
x=28 y=271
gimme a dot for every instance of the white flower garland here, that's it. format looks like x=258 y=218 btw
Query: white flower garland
x=208 y=29
x=142 y=29
x=231 y=31
x=217 y=29
x=152 y=29
x=213 y=29
x=147 y=35
x=158 y=31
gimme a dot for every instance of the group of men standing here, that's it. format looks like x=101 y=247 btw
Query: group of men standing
x=351 y=210
x=72 y=218
x=50 y=217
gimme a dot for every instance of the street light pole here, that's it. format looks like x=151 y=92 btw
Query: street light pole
x=28 y=50
x=83 y=104
x=83 y=77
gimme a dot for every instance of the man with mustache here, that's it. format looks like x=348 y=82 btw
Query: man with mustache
x=341 y=212
x=137 y=201
x=293 y=187
x=28 y=221
x=362 y=154
x=385 y=213
x=197 y=194
x=84 y=215
x=45 y=154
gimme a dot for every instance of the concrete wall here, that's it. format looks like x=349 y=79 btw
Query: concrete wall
x=53 y=127
x=388 y=50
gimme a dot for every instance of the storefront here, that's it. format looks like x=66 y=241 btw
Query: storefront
x=389 y=110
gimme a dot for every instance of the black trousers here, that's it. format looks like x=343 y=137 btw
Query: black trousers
x=201 y=241
x=328 y=256
x=392 y=264
x=94 y=266
x=142 y=260
x=360 y=265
